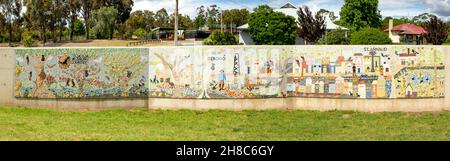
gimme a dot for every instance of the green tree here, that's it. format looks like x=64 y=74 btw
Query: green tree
x=370 y=36
x=10 y=10
x=184 y=22
x=140 y=32
x=221 y=38
x=123 y=8
x=311 y=28
x=235 y=17
x=200 y=20
x=74 y=8
x=162 y=18
x=38 y=16
x=140 y=19
x=104 y=21
x=357 y=14
x=267 y=27
x=78 y=28
x=212 y=17
x=397 y=21
x=335 y=37
x=437 y=31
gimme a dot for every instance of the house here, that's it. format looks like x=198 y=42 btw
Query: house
x=290 y=10
x=406 y=33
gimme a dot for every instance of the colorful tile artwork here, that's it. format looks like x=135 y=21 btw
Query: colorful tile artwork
x=297 y=71
x=232 y=72
x=81 y=73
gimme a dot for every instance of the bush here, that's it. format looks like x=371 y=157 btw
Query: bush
x=267 y=27
x=219 y=38
x=140 y=32
x=336 y=37
x=369 y=36
x=28 y=40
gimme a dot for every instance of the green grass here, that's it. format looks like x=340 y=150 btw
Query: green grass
x=42 y=124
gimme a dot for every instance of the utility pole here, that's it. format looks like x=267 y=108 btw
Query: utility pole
x=176 y=23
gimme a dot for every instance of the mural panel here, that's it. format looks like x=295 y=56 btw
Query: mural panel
x=367 y=72
x=242 y=72
x=81 y=73
x=371 y=72
x=175 y=72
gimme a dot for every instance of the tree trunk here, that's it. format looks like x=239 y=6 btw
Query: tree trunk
x=45 y=36
x=112 y=33
x=72 y=23
x=53 y=28
x=60 y=30
x=86 y=20
x=10 y=34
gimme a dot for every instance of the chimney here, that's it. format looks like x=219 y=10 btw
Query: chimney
x=391 y=25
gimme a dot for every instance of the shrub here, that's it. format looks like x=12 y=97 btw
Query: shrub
x=140 y=32
x=369 y=36
x=28 y=39
x=219 y=38
x=335 y=37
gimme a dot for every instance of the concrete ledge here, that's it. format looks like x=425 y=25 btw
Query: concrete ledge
x=294 y=103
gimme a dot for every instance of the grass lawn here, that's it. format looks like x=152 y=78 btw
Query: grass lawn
x=42 y=124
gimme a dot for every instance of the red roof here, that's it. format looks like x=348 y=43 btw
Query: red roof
x=408 y=29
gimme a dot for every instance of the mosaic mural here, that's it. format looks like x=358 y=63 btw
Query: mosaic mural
x=297 y=71
x=372 y=72
x=366 y=72
x=81 y=73
x=175 y=72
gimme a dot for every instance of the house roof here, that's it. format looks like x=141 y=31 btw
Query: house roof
x=408 y=29
x=288 y=5
x=290 y=10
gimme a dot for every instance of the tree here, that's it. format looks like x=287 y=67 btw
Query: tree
x=221 y=38
x=267 y=27
x=123 y=7
x=212 y=17
x=235 y=17
x=184 y=22
x=38 y=12
x=397 y=21
x=74 y=8
x=87 y=7
x=140 y=32
x=140 y=19
x=200 y=20
x=357 y=14
x=437 y=31
x=370 y=36
x=10 y=10
x=311 y=28
x=104 y=21
x=335 y=37
x=78 y=28
x=162 y=18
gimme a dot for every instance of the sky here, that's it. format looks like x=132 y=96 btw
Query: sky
x=393 y=8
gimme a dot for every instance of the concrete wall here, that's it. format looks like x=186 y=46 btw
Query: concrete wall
x=7 y=98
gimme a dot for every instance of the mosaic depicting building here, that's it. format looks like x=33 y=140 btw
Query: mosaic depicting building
x=379 y=72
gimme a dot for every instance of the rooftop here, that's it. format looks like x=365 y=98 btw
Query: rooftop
x=408 y=29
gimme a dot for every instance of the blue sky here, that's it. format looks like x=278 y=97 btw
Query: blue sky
x=396 y=8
